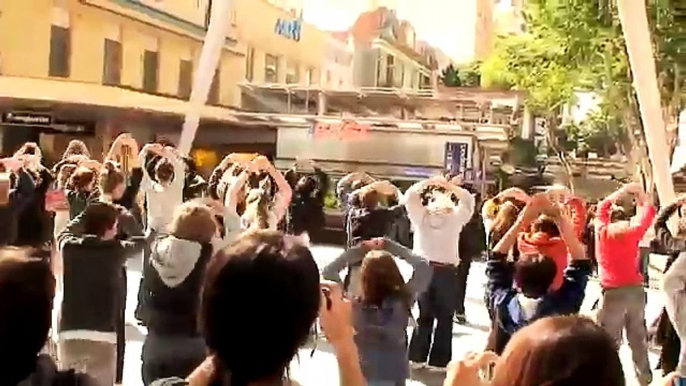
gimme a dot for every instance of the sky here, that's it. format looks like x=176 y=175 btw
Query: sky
x=436 y=21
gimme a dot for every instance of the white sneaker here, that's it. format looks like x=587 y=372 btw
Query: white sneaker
x=417 y=365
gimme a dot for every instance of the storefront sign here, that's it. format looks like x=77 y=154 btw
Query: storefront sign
x=344 y=130
x=290 y=29
x=456 y=158
x=21 y=118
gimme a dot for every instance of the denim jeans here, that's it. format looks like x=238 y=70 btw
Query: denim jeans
x=167 y=356
x=438 y=304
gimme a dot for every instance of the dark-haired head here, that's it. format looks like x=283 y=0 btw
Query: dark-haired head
x=100 y=219
x=534 y=274
x=560 y=351
x=545 y=224
x=164 y=171
x=262 y=291
x=112 y=180
x=27 y=289
x=76 y=147
x=305 y=186
x=82 y=179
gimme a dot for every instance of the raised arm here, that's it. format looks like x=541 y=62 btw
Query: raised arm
x=284 y=194
x=421 y=275
x=413 y=201
x=354 y=255
x=236 y=185
x=662 y=233
x=604 y=207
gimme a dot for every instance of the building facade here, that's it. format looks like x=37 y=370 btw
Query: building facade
x=93 y=68
x=387 y=53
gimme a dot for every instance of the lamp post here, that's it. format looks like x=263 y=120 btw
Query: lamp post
x=217 y=31
x=634 y=18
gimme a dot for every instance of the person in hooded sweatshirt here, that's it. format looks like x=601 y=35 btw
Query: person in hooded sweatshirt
x=27 y=290
x=93 y=259
x=170 y=301
x=524 y=292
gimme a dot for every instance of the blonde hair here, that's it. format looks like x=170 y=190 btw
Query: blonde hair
x=257 y=209
x=193 y=221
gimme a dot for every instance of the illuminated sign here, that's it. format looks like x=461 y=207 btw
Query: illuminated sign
x=344 y=130
x=290 y=29
x=27 y=119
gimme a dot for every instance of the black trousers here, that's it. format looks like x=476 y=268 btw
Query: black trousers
x=121 y=328
x=462 y=274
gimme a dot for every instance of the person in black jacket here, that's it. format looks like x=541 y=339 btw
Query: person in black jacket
x=93 y=258
x=472 y=244
x=34 y=221
x=306 y=213
x=20 y=193
x=27 y=290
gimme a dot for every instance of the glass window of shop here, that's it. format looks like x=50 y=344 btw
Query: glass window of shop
x=292 y=73
x=60 y=51
x=185 y=78
x=150 y=70
x=111 y=72
x=271 y=68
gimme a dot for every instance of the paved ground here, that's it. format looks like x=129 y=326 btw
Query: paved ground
x=312 y=370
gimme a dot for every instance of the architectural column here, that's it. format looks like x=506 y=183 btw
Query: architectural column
x=321 y=103
x=633 y=13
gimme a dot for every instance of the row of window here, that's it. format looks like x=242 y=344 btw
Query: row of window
x=392 y=73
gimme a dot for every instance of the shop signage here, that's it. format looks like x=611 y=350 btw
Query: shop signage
x=456 y=157
x=26 y=118
x=290 y=29
x=343 y=130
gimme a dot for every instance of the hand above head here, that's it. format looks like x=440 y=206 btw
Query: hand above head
x=375 y=244
x=262 y=163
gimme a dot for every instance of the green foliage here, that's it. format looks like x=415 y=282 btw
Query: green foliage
x=451 y=76
x=331 y=201
x=466 y=76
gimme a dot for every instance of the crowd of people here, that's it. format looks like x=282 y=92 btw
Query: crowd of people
x=230 y=290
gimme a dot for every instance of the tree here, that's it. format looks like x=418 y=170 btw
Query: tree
x=578 y=45
x=451 y=76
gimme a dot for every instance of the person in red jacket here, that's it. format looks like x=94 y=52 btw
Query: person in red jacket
x=544 y=236
x=617 y=249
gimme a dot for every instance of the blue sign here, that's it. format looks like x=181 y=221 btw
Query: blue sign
x=456 y=157
x=290 y=29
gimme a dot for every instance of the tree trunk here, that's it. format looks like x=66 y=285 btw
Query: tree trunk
x=552 y=142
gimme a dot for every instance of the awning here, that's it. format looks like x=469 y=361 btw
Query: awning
x=65 y=91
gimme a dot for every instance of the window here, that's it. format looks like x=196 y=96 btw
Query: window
x=213 y=96
x=111 y=72
x=390 y=70
x=271 y=69
x=292 y=73
x=250 y=64
x=311 y=76
x=60 y=51
x=185 y=78
x=150 y=67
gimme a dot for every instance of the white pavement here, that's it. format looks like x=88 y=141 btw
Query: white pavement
x=321 y=370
